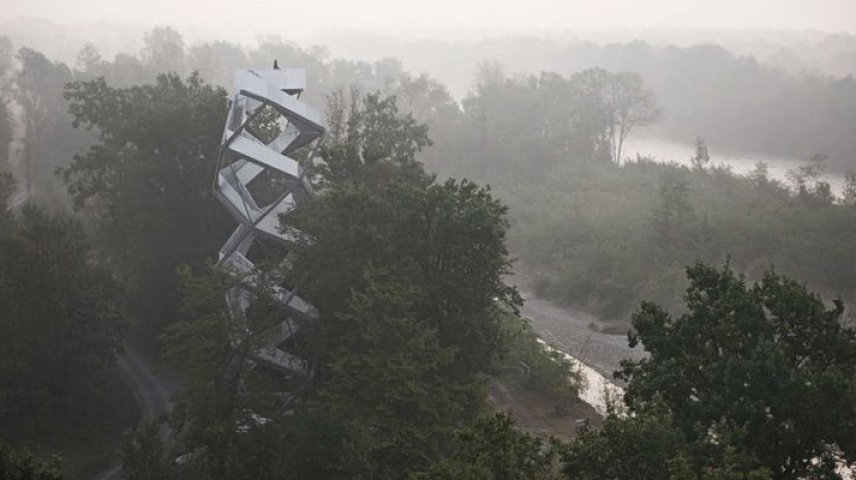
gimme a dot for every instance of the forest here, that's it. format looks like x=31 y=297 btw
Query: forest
x=434 y=216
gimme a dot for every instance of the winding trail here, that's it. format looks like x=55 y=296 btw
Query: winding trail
x=18 y=199
x=152 y=391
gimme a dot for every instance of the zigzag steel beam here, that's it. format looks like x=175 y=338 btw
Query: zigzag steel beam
x=302 y=124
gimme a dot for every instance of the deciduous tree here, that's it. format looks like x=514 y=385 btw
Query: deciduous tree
x=147 y=180
x=60 y=320
x=766 y=369
x=630 y=105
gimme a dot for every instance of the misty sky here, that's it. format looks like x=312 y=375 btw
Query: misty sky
x=402 y=16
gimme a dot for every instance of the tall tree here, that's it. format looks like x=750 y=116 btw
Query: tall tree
x=61 y=319
x=47 y=135
x=229 y=420
x=6 y=120
x=369 y=141
x=407 y=278
x=648 y=445
x=386 y=378
x=22 y=465
x=765 y=370
x=848 y=196
x=147 y=180
x=447 y=240
x=89 y=61
x=630 y=104
x=673 y=220
x=701 y=158
x=7 y=188
x=216 y=61
x=163 y=50
x=591 y=116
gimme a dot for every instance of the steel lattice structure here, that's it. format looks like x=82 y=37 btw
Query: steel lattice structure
x=245 y=155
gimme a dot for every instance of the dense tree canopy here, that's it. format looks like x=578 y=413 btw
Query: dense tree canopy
x=551 y=118
x=756 y=378
x=147 y=180
x=46 y=126
x=369 y=142
x=22 y=465
x=61 y=317
x=6 y=120
x=493 y=449
x=445 y=239
x=406 y=274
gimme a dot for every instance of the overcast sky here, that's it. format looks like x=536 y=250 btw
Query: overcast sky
x=401 y=16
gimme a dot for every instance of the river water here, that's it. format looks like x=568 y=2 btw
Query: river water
x=663 y=150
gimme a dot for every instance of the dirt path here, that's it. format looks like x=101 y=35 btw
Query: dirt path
x=152 y=391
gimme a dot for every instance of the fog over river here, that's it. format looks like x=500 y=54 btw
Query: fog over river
x=663 y=150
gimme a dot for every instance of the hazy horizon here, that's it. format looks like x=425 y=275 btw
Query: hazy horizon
x=253 y=17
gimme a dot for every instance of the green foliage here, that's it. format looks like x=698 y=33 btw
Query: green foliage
x=629 y=104
x=604 y=238
x=406 y=274
x=47 y=134
x=147 y=181
x=649 y=445
x=525 y=123
x=164 y=50
x=369 y=141
x=407 y=280
x=624 y=448
x=701 y=158
x=21 y=465
x=445 y=240
x=6 y=131
x=541 y=368
x=492 y=449
x=6 y=120
x=752 y=382
x=406 y=271
x=673 y=219
x=741 y=101
x=228 y=421
x=764 y=372
x=7 y=188
x=61 y=320
x=390 y=382
x=143 y=456
x=199 y=343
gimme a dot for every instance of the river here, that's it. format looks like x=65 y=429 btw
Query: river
x=663 y=150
